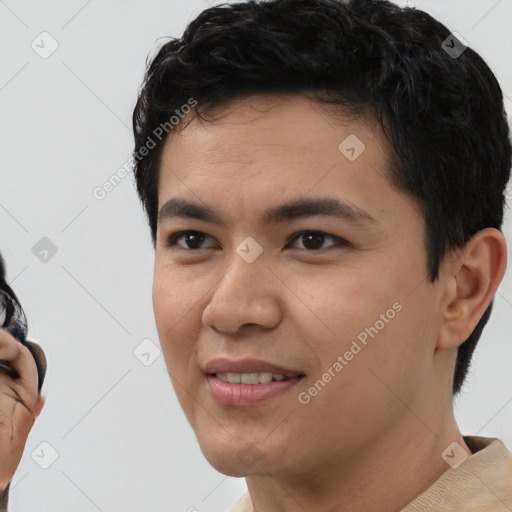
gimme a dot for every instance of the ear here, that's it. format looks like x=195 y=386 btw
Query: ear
x=471 y=279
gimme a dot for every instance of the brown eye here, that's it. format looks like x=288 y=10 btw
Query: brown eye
x=193 y=239
x=313 y=240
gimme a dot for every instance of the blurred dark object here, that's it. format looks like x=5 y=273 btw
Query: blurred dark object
x=13 y=319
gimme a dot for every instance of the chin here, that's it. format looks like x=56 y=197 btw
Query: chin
x=236 y=459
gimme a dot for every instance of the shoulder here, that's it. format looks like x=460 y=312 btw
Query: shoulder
x=482 y=482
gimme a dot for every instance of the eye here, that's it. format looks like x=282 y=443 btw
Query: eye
x=313 y=240
x=192 y=237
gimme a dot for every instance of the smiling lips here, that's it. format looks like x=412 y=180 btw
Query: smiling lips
x=247 y=382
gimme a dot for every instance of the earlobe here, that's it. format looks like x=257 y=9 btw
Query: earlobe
x=472 y=279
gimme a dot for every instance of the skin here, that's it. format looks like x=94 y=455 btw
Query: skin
x=372 y=438
x=16 y=420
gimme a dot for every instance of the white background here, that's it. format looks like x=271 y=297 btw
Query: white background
x=122 y=440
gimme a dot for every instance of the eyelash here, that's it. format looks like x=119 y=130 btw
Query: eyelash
x=341 y=242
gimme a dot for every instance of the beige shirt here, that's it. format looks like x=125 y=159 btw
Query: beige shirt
x=482 y=483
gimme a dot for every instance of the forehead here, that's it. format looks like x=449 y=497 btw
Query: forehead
x=260 y=148
x=294 y=122
x=268 y=128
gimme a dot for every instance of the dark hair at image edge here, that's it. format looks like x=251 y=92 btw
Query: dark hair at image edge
x=14 y=321
x=443 y=117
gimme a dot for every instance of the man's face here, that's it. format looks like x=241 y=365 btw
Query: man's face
x=347 y=309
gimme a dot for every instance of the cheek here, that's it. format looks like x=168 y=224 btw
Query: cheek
x=377 y=326
x=173 y=294
x=341 y=307
x=339 y=322
x=178 y=326
x=396 y=359
x=173 y=303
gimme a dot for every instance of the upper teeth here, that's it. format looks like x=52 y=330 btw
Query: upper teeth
x=249 y=378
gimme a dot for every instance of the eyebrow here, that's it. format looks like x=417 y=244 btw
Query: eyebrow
x=295 y=209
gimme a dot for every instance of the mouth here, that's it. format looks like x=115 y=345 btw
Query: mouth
x=248 y=382
x=251 y=379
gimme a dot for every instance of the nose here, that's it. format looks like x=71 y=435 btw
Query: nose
x=248 y=294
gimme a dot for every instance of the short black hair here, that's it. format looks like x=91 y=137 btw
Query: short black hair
x=441 y=110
